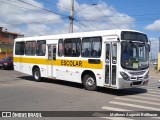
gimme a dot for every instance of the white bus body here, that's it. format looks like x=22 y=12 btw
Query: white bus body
x=105 y=70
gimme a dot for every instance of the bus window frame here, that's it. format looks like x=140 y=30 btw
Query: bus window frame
x=91 y=41
x=37 y=47
x=62 y=48
x=23 y=47
x=72 y=41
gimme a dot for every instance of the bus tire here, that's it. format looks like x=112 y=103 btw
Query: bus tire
x=37 y=74
x=89 y=82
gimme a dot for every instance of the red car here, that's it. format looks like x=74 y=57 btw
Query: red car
x=7 y=63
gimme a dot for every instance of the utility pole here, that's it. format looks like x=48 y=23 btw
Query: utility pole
x=71 y=17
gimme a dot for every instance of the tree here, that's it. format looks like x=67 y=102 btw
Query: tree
x=6 y=51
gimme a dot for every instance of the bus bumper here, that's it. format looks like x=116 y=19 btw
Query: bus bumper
x=129 y=84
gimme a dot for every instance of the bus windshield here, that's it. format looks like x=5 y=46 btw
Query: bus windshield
x=133 y=36
x=134 y=55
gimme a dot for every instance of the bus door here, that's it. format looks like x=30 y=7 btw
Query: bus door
x=51 y=59
x=111 y=64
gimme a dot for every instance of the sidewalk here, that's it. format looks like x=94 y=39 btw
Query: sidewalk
x=154 y=73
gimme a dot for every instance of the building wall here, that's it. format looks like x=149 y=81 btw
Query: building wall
x=7 y=41
x=3 y=55
x=7 y=38
x=158 y=68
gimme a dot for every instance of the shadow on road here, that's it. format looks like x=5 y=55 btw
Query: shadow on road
x=59 y=82
x=122 y=92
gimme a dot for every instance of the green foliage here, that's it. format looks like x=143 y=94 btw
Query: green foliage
x=7 y=50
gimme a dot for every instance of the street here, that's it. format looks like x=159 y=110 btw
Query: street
x=18 y=92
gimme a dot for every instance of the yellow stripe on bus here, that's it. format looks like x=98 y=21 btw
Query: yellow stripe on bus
x=59 y=62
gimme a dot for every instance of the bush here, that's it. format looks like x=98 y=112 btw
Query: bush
x=4 y=50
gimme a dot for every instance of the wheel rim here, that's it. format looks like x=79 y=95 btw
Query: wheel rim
x=90 y=82
x=36 y=75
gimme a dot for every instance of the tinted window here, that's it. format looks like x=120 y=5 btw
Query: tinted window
x=19 y=48
x=72 y=47
x=60 y=47
x=41 y=48
x=91 y=47
x=30 y=48
x=135 y=36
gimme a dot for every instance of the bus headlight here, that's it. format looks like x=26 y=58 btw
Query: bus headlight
x=146 y=76
x=124 y=75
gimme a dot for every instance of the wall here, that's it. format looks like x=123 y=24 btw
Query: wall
x=3 y=55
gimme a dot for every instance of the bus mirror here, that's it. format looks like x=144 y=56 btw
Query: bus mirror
x=149 y=47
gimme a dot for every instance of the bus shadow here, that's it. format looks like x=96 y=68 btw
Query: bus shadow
x=59 y=82
x=121 y=92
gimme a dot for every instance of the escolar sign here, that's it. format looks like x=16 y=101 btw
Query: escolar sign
x=71 y=63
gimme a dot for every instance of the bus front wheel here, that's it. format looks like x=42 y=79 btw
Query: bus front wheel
x=89 y=82
x=37 y=75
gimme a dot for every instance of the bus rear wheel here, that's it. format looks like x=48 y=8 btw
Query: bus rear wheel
x=89 y=82
x=37 y=75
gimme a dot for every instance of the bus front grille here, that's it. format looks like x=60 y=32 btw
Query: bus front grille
x=137 y=83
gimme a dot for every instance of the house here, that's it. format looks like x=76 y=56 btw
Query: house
x=7 y=38
x=7 y=41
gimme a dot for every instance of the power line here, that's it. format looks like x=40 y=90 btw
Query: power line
x=17 y=6
x=31 y=22
x=81 y=26
x=89 y=28
x=14 y=4
x=110 y=21
x=36 y=22
x=141 y=17
x=103 y=13
x=70 y=9
x=56 y=4
x=152 y=14
x=41 y=8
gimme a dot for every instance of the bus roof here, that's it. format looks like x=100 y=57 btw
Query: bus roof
x=115 y=32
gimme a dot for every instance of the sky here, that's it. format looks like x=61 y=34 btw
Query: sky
x=46 y=17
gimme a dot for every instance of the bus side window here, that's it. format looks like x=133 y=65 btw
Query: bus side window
x=67 y=47
x=30 y=48
x=60 y=48
x=19 y=48
x=41 y=48
x=76 y=43
x=91 y=47
x=72 y=47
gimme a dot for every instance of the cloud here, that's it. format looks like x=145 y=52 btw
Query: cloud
x=19 y=17
x=98 y=17
x=154 y=26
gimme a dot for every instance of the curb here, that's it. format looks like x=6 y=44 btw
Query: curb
x=154 y=77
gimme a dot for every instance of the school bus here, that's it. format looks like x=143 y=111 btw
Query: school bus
x=116 y=59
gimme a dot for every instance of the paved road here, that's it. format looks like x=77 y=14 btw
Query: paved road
x=18 y=92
